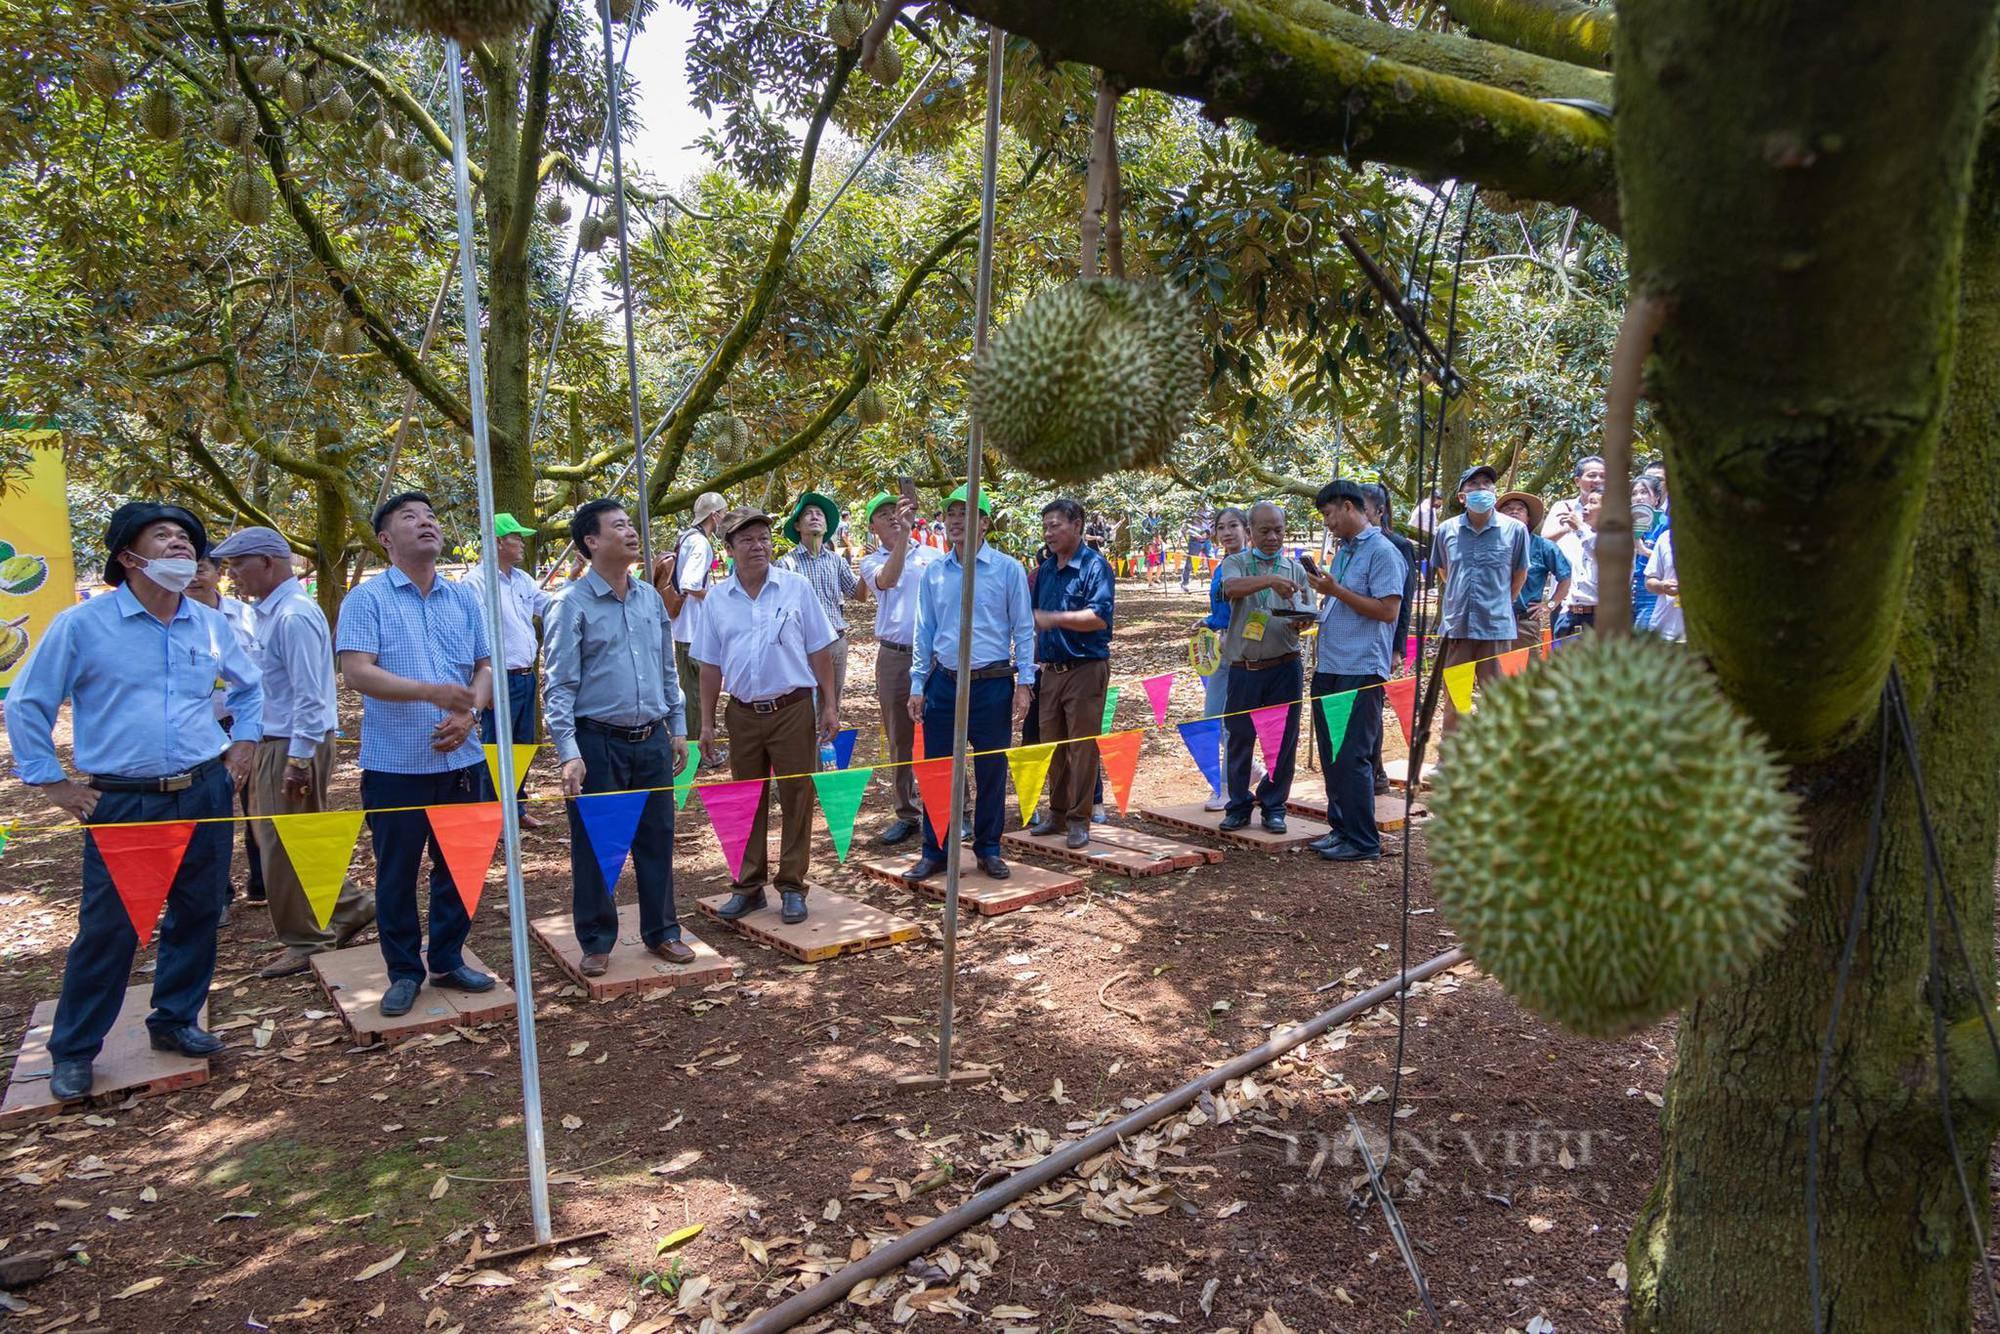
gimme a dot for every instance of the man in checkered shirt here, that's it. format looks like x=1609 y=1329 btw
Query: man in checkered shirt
x=813 y=521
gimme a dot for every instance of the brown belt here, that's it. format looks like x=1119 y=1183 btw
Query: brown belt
x=774 y=704
x=1265 y=664
x=893 y=648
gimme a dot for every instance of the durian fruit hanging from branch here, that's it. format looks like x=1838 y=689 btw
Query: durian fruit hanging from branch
x=234 y=126
x=160 y=115
x=591 y=234
x=886 y=66
x=269 y=70
x=868 y=405
x=100 y=73
x=468 y=21
x=556 y=210
x=1101 y=374
x=248 y=198
x=622 y=11
x=845 y=23
x=294 y=92
x=344 y=339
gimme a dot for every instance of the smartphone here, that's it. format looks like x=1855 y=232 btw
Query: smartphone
x=1307 y=561
x=909 y=490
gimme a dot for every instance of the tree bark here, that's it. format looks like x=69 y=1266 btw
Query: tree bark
x=1559 y=29
x=510 y=322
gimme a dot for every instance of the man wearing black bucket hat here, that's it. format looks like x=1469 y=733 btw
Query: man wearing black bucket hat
x=138 y=667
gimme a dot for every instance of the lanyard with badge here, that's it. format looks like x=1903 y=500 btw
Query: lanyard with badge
x=1259 y=618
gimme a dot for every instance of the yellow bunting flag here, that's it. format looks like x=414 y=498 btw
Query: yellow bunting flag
x=1031 y=773
x=1458 y=680
x=320 y=844
x=524 y=754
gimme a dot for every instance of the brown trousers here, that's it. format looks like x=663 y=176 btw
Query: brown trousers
x=1484 y=652
x=763 y=744
x=291 y=915
x=892 y=692
x=1073 y=706
x=1531 y=626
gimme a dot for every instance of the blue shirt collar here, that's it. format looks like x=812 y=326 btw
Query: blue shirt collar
x=277 y=597
x=983 y=556
x=129 y=605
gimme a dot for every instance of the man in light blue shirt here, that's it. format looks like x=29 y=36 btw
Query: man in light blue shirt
x=1482 y=559
x=1003 y=652
x=616 y=718
x=138 y=668
x=414 y=645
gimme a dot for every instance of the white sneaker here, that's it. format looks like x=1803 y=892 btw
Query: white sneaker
x=1218 y=802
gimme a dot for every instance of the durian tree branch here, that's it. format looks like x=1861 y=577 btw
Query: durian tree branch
x=320 y=242
x=232 y=501
x=238 y=403
x=1560 y=29
x=1499 y=66
x=1308 y=92
x=183 y=367
x=534 y=123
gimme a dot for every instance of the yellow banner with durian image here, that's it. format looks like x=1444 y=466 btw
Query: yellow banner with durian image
x=37 y=574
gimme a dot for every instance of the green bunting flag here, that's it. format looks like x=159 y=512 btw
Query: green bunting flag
x=1110 y=707
x=1336 y=709
x=684 y=780
x=840 y=793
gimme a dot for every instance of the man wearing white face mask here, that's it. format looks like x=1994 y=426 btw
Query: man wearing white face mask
x=137 y=668
x=1482 y=560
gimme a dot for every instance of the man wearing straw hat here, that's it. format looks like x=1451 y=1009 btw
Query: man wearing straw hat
x=137 y=667
x=815 y=519
x=618 y=724
x=521 y=601
x=764 y=633
x=892 y=576
x=1003 y=656
x=1546 y=562
x=294 y=763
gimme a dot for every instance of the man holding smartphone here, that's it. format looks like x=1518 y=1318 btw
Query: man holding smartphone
x=1268 y=604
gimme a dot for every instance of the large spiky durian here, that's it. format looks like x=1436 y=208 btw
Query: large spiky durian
x=591 y=234
x=468 y=21
x=99 y=71
x=234 y=126
x=269 y=70
x=623 y=10
x=1092 y=377
x=160 y=115
x=344 y=339
x=887 y=66
x=295 y=92
x=845 y=23
x=1608 y=882
x=413 y=162
x=556 y=210
x=868 y=405
x=248 y=199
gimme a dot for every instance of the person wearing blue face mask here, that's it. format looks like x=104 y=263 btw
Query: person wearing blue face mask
x=1482 y=559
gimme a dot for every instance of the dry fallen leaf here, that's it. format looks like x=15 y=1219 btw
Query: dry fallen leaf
x=1537 y=1223
x=832 y=1210
x=678 y=1237
x=579 y=1048
x=439 y=1187
x=149 y=1195
x=486 y=1278
x=381 y=1267
x=376 y=1311
x=1269 y=1323
x=571 y=1121
x=231 y=1096
x=143 y=1285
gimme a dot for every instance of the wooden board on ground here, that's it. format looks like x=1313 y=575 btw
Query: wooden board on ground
x=1388 y=810
x=127 y=1065
x=1184 y=855
x=834 y=924
x=354 y=979
x=1300 y=830
x=987 y=896
x=1398 y=772
x=632 y=966
x=1098 y=855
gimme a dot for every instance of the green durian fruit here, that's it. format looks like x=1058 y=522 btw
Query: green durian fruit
x=739 y=436
x=269 y=71
x=234 y=126
x=1609 y=883
x=413 y=163
x=248 y=199
x=99 y=71
x=344 y=339
x=591 y=234
x=556 y=210
x=1096 y=376
x=294 y=92
x=336 y=108
x=868 y=405
x=468 y=21
x=623 y=10
x=160 y=115
x=887 y=67
x=845 y=23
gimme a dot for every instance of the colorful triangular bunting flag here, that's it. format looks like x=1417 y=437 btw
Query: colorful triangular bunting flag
x=467 y=833
x=1160 y=692
x=840 y=792
x=843 y=746
x=684 y=780
x=1458 y=683
x=1120 y=754
x=610 y=819
x=934 y=786
x=732 y=809
x=1402 y=696
x=320 y=845
x=1203 y=738
x=1030 y=765
x=524 y=754
x=1514 y=663
x=1110 y=707
x=1337 y=709
x=143 y=860
x=1548 y=641
x=1270 y=724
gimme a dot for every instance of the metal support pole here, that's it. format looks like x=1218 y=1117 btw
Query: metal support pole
x=611 y=132
x=510 y=811
x=962 y=705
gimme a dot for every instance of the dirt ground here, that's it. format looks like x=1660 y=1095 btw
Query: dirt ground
x=762 y=1110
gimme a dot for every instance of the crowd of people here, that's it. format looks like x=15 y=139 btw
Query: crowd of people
x=189 y=705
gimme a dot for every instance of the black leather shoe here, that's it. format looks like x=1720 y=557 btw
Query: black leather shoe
x=1274 y=822
x=70 y=1080
x=1324 y=841
x=400 y=997
x=923 y=869
x=1045 y=828
x=1382 y=788
x=462 y=978
x=741 y=904
x=995 y=868
x=1078 y=835
x=187 y=1039
x=1230 y=822
x=1347 y=852
x=899 y=832
x=792 y=906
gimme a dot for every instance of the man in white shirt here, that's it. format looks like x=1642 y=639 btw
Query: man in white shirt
x=206 y=589
x=892 y=576
x=764 y=632
x=293 y=765
x=521 y=601
x=1589 y=482
x=693 y=575
x=1664 y=579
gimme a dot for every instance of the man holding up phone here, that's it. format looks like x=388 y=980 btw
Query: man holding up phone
x=1268 y=604
x=892 y=576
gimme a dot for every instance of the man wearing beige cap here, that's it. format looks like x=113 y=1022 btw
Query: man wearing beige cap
x=293 y=764
x=764 y=632
x=682 y=577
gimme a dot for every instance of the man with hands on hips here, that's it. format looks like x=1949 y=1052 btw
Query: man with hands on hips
x=138 y=668
x=615 y=716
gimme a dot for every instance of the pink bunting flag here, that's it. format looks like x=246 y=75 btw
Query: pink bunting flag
x=1270 y=724
x=1160 y=690
x=732 y=809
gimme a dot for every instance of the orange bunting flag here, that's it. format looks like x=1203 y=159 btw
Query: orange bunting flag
x=1514 y=663
x=467 y=833
x=1120 y=753
x=934 y=784
x=1548 y=641
x=1402 y=696
x=143 y=860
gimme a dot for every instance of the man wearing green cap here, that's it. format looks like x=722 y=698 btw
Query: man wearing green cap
x=521 y=601
x=813 y=521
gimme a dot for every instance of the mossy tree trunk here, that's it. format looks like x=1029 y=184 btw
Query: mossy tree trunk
x=1833 y=475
